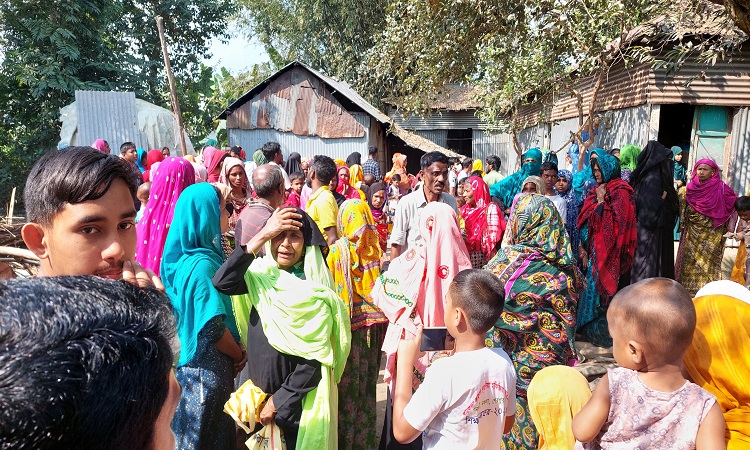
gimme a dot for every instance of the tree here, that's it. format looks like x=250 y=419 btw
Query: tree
x=332 y=36
x=518 y=53
x=52 y=48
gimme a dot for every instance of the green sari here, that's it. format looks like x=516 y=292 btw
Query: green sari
x=302 y=318
x=542 y=285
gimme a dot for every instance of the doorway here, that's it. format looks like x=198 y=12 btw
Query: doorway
x=676 y=125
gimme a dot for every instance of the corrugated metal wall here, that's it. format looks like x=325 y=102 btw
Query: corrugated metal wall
x=560 y=133
x=532 y=137
x=624 y=126
x=739 y=169
x=111 y=116
x=440 y=137
x=622 y=88
x=307 y=146
x=726 y=83
x=484 y=145
x=439 y=120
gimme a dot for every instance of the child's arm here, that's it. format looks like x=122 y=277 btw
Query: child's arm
x=588 y=422
x=509 y=421
x=711 y=431
x=408 y=352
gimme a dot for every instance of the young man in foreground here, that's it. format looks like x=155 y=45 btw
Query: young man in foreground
x=81 y=216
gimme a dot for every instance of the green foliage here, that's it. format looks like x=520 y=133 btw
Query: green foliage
x=517 y=53
x=332 y=36
x=51 y=48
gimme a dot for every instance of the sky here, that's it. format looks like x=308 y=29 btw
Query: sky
x=237 y=55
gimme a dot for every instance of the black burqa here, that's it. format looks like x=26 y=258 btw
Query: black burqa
x=354 y=158
x=656 y=208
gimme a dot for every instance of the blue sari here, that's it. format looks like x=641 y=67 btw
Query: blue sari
x=192 y=254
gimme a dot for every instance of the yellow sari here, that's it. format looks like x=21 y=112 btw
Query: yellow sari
x=718 y=360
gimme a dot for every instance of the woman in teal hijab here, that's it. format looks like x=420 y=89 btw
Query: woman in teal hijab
x=210 y=353
x=141 y=158
x=298 y=326
x=507 y=188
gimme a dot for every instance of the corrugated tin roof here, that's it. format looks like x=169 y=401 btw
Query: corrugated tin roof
x=623 y=88
x=726 y=83
x=421 y=143
x=108 y=115
x=337 y=87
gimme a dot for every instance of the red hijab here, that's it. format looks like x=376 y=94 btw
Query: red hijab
x=344 y=188
x=154 y=156
x=475 y=217
x=712 y=198
x=212 y=159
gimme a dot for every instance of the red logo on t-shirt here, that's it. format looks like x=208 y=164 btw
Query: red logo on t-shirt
x=443 y=272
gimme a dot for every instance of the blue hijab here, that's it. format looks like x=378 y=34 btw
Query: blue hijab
x=139 y=162
x=507 y=188
x=192 y=255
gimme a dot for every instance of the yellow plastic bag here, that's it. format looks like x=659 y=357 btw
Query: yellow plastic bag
x=738 y=271
x=268 y=438
x=244 y=406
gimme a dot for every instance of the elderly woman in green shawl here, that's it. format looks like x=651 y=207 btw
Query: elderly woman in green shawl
x=507 y=188
x=296 y=328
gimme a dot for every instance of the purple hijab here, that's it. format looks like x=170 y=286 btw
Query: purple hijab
x=172 y=176
x=712 y=198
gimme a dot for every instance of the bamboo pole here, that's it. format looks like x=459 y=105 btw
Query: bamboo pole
x=11 y=206
x=172 y=88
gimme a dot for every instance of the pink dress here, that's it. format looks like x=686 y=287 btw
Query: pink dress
x=642 y=418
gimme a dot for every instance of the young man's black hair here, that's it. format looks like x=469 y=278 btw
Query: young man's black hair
x=270 y=149
x=72 y=175
x=123 y=148
x=85 y=364
x=324 y=168
x=549 y=165
x=494 y=161
x=742 y=203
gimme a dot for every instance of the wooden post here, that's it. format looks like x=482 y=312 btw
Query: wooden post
x=172 y=88
x=11 y=206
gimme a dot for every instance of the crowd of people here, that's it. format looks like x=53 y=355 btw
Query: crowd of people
x=253 y=296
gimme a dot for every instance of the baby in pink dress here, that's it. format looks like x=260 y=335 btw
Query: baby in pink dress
x=647 y=403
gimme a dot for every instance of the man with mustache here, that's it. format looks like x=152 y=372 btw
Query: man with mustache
x=434 y=174
x=81 y=216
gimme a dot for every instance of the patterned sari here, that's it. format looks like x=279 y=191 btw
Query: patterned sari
x=542 y=285
x=705 y=208
x=354 y=261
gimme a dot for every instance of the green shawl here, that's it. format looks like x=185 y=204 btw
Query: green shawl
x=302 y=318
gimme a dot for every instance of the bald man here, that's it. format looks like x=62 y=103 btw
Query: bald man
x=269 y=187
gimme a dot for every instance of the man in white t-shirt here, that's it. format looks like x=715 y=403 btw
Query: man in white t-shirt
x=549 y=177
x=272 y=152
x=467 y=400
x=465 y=170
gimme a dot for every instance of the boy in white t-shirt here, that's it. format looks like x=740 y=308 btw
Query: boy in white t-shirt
x=467 y=400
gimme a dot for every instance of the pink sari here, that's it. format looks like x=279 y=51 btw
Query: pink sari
x=417 y=281
x=171 y=177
